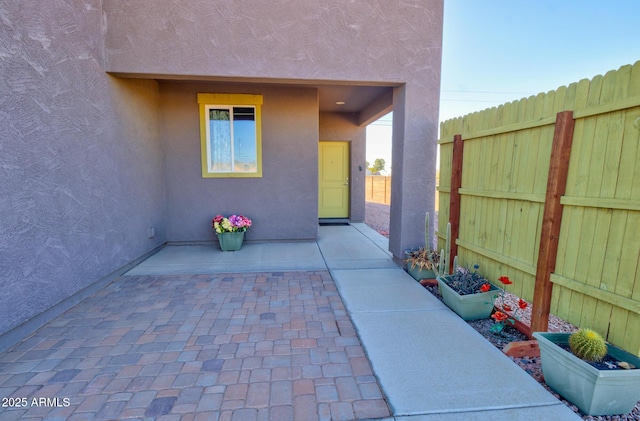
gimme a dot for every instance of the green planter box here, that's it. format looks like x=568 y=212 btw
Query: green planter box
x=469 y=307
x=595 y=392
x=231 y=241
x=419 y=274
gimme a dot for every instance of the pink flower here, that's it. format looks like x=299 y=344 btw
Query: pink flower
x=231 y=224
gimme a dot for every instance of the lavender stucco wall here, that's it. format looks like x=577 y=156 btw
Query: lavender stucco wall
x=414 y=167
x=80 y=160
x=376 y=40
x=88 y=162
x=341 y=127
x=395 y=43
x=283 y=203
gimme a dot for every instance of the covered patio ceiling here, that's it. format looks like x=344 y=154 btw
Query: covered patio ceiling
x=367 y=100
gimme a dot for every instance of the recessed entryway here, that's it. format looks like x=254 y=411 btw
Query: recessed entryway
x=333 y=180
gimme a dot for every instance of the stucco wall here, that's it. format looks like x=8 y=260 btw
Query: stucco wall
x=80 y=163
x=395 y=43
x=376 y=40
x=283 y=203
x=88 y=162
x=414 y=166
x=341 y=127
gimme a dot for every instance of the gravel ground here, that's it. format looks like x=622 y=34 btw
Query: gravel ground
x=377 y=217
x=532 y=365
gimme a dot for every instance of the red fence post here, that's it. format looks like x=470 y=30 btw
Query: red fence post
x=551 y=220
x=454 y=202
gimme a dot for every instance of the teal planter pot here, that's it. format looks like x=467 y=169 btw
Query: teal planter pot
x=419 y=274
x=231 y=241
x=469 y=307
x=595 y=392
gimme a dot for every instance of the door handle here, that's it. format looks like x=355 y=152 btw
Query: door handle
x=346 y=181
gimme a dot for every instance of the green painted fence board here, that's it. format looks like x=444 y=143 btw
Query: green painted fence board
x=506 y=159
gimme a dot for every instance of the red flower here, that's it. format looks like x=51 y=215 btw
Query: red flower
x=522 y=304
x=485 y=287
x=499 y=316
x=507 y=307
x=505 y=280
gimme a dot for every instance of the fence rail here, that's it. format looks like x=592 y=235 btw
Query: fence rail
x=592 y=278
x=378 y=189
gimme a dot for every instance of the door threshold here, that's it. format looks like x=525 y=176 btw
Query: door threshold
x=324 y=222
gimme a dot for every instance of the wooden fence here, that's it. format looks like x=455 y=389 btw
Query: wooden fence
x=378 y=189
x=546 y=190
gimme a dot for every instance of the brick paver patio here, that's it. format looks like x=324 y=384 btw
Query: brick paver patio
x=258 y=346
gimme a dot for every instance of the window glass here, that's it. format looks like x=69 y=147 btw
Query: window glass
x=230 y=135
x=219 y=140
x=245 y=157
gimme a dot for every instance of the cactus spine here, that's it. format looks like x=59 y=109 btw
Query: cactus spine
x=588 y=345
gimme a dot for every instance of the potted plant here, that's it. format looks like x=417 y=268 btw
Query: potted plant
x=422 y=263
x=230 y=231
x=468 y=293
x=597 y=377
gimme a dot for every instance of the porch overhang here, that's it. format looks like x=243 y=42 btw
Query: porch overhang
x=367 y=100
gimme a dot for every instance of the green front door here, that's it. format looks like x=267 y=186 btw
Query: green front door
x=333 y=164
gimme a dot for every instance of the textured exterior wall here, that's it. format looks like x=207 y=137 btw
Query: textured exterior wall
x=80 y=164
x=283 y=203
x=84 y=156
x=396 y=43
x=315 y=39
x=340 y=126
x=413 y=157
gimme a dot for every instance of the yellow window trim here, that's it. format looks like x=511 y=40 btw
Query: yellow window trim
x=229 y=99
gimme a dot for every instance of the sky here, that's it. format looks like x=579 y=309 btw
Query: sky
x=498 y=51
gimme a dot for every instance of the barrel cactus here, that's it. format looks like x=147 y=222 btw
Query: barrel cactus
x=588 y=345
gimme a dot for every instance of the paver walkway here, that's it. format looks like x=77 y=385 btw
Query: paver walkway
x=253 y=346
x=247 y=343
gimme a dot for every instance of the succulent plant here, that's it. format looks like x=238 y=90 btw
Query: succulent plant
x=466 y=282
x=588 y=345
x=423 y=258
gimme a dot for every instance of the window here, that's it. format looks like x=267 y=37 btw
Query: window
x=230 y=135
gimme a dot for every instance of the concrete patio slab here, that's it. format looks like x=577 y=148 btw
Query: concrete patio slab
x=554 y=412
x=430 y=363
x=349 y=248
x=252 y=257
x=340 y=233
x=374 y=290
x=373 y=235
